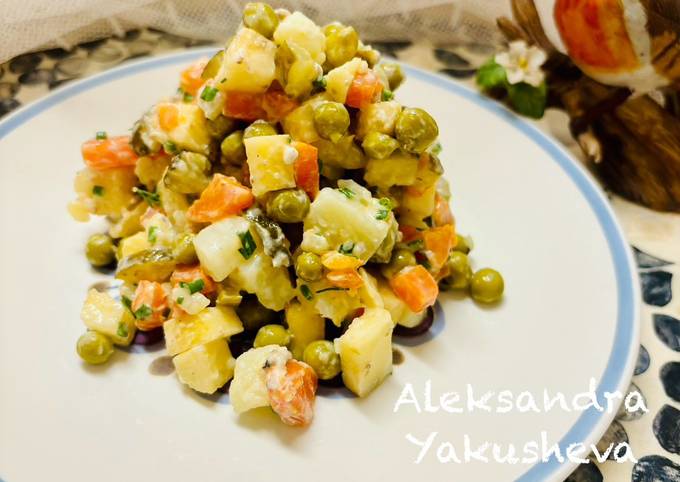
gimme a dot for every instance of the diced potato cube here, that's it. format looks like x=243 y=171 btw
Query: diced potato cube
x=366 y=351
x=129 y=222
x=217 y=246
x=379 y=117
x=331 y=303
x=340 y=78
x=107 y=316
x=205 y=368
x=150 y=169
x=114 y=187
x=298 y=29
x=400 y=169
x=258 y=276
x=299 y=124
x=191 y=133
x=175 y=206
x=248 y=389
x=248 y=64
x=368 y=293
x=401 y=313
x=348 y=215
x=271 y=163
x=417 y=203
x=188 y=331
x=133 y=244
x=305 y=326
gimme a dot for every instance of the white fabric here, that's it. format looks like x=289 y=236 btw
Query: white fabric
x=28 y=25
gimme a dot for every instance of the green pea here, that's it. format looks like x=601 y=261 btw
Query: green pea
x=416 y=130
x=233 y=149
x=378 y=145
x=464 y=244
x=321 y=356
x=394 y=74
x=288 y=206
x=99 y=250
x=308 y=267
x=486 y=286
x=460 y=271
x=342 y=43
x=94 y=348
x=221 y=126
x=401 y=258
x=260 y=17
x=259 y=128
x=271 y=335
x=342 y=153
x=253 y=315
x=331 y=120
x=183 y=251
x=188 y=173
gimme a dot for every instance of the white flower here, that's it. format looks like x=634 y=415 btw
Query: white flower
x=522 y=63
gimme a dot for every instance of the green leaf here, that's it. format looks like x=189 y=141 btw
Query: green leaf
x=180 y=300
x=491 y=75
x=209 y=94
x=151 y=198
x=194 y=287
x=349 y=194
x=122 y=330
x=527 y=99
x=248 y=245
x=143 y=312
x=387 y=95
x=151 y=236
x=170 y=147
x=98 y=191
x=306 y=292
x=346 y=247
x=101 y=135
x=332 y=288
x=127 y=302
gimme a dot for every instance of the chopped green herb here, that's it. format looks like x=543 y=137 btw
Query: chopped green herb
x=143 y=312
x=349 y=194
x=122 y=330
x=306 y=292
x=332 y=288
x=180 y=300
x=152 y=234
x=101 y=135
x=151 y=198
x=127 y=302
x=319 y=83
x=346 y=247
x=382 y=214
x=387 y=95
x=194 y=287
x=98 y=190
x=170 y=147
x=248 y=245
x=209 y=93
x=436 y=149
x=416 y=244
x=187 y=97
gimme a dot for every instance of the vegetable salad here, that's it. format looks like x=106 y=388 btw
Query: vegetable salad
x=276 y=220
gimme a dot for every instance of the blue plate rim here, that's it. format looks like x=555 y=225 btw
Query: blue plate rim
x=591 y=424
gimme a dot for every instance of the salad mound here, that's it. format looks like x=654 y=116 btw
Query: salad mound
x=275 y=221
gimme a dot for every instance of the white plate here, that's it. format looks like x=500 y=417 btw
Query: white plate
x=570 y=313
